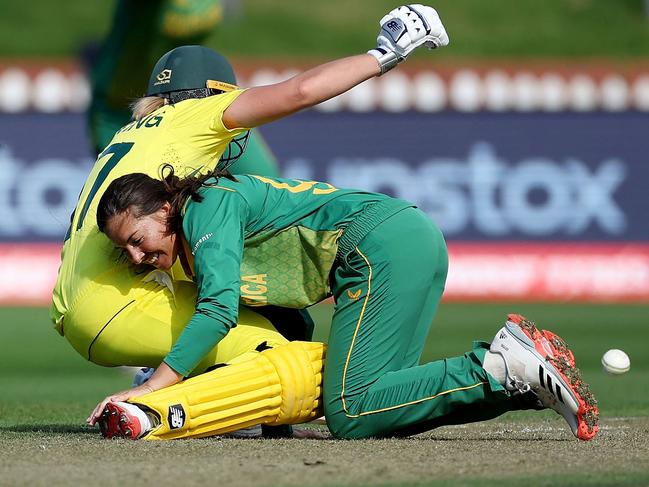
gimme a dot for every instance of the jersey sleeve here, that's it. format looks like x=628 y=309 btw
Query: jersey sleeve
x=214 y=230
x=200 y=121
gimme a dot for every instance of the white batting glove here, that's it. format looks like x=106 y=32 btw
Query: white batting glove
x=403 y=30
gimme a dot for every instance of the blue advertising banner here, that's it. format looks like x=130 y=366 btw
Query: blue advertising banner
x=44 y=161
x=485 y=176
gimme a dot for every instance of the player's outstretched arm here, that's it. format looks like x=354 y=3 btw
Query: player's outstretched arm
x=402 y=31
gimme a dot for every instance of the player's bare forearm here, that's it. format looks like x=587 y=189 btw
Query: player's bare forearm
x=402 y=30
x=331 y=79
x=264 y=104
x=164 y=376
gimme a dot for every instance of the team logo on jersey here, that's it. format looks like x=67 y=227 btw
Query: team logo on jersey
x=176 y=417
x=163 y=77
x=354 y=294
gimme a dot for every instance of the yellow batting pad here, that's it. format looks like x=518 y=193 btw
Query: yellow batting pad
x=299 y=366
x=279 y=386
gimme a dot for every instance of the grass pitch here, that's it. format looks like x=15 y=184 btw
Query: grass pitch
x=47 y=391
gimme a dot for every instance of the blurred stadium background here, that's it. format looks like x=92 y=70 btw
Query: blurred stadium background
x=525 y=139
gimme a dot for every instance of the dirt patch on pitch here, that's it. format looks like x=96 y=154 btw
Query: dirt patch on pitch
x=541 y=452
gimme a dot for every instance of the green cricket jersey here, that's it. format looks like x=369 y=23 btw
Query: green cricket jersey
x=261 y=241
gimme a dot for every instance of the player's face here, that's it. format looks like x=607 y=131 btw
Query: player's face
x=145 y=239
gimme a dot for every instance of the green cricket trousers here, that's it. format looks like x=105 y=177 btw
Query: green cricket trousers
x=387 y=284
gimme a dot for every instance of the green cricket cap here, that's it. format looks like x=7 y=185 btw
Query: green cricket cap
x=189 y=68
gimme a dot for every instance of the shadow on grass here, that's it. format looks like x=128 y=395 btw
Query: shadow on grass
x=492 y=438
x=49 y=429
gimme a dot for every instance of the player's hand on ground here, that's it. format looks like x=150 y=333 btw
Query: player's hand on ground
x=406 y=28
x=117 y=397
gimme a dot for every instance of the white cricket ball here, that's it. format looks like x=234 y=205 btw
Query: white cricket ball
x=616 y=362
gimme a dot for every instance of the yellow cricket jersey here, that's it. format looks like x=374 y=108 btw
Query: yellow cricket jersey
x=189 y=135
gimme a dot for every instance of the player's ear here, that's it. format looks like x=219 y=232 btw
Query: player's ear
x=165 y=212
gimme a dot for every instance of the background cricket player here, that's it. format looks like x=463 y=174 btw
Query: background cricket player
x=141 y=32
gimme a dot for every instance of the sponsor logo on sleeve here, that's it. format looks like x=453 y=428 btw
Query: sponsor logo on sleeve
x=201 y=241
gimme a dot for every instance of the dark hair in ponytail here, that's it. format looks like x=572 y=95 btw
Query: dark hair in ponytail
x=144 y=195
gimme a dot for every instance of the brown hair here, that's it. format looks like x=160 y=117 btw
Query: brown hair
x=143 y=195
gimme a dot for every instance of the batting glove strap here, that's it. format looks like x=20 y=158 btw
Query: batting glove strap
x=386 y=58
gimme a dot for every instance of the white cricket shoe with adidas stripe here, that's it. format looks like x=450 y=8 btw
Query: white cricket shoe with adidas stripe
x=539 y=361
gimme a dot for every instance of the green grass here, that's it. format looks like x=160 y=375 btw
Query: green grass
x=43 y=378
x=48 y=390
x=45 y=381
x=288 y=28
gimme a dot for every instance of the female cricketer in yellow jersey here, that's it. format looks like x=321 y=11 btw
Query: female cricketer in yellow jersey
x=114 y=313
x=140 y=33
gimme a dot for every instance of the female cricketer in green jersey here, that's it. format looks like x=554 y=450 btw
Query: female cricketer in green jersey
x=292 y=243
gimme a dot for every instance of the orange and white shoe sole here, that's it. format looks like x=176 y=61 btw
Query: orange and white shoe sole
x=554 y=349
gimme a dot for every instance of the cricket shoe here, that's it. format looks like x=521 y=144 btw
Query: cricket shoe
x=123 y=420
x=542 y=363
x=552 y=343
